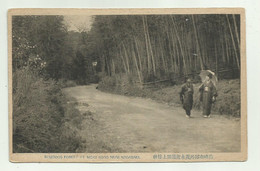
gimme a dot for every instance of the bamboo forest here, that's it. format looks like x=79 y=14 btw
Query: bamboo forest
x=156 y=47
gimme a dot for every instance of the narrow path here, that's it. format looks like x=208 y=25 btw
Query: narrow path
x=131 y=124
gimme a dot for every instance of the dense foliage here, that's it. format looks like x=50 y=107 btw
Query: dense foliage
x=42 y=54
x=42 y=120
x=44 y=44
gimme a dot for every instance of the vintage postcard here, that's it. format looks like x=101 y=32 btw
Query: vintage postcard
x=127 y=85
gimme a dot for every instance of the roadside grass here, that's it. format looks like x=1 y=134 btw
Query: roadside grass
x=228 y=100
x=43 y=121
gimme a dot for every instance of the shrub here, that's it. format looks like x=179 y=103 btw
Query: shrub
x=228 y=100
x=41 y=120
x=63 y=83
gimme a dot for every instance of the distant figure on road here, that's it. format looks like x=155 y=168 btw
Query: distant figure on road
x=208 y=95
x=186 y=96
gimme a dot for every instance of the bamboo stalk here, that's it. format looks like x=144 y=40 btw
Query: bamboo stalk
x=126 y=56
x=108 y=65
x=235 y=24
x=150 y=45
x=216 y=57
x=198 y=44
x=180 y=44
x=138 y=54
x=162 y=55
x=147 y=50
x=227 y=50
x=233 y=41
x=121 y=55
x=113 y=67
x=223 y=51
x=137 y=69
x=170 y=52
x=175 y=50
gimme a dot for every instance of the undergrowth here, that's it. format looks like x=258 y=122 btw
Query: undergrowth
x=228 y=100
x=43 y=121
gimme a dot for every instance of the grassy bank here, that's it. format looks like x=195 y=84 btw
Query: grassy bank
x=228 y=100
x=43 y=121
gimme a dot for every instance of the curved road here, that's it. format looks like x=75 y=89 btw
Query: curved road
x=116 y=123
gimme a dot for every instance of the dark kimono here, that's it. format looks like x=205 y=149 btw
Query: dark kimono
x=186 y=96
x=208 y=91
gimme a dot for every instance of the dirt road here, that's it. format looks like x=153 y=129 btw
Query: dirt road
x=116 y=123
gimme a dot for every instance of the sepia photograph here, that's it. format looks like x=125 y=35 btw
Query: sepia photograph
x=127 y=85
